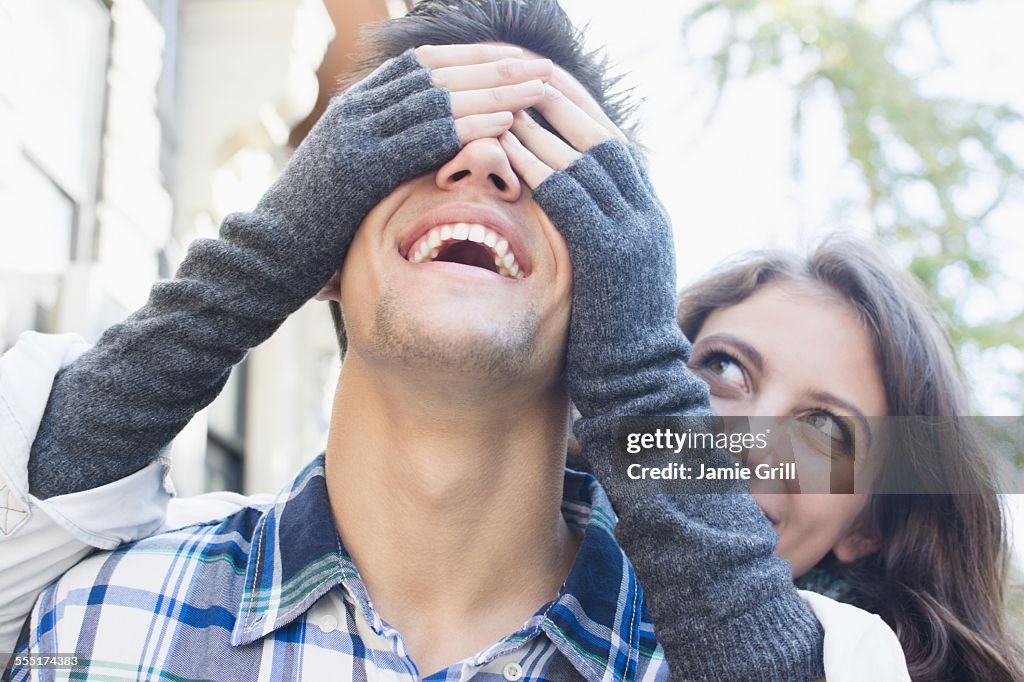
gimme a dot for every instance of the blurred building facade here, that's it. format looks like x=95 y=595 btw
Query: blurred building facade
x=129 y=128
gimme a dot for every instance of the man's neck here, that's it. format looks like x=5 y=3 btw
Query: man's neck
x=448 y=500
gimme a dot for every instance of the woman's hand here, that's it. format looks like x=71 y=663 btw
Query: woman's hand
x=586 y=179
x=487 y=84
x=705 y=561
x=535 y=152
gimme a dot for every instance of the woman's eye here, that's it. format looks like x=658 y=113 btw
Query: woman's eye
x=726 y=369
x=832 y=428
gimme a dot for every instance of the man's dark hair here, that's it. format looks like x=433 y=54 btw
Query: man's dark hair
x=540 y=26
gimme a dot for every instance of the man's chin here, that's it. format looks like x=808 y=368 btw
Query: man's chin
x=466 y=339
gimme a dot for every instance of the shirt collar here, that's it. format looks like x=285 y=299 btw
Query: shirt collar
x=295 y=558
x=597 y=620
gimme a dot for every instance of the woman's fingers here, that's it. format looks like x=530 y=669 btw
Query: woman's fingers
x=478 y=126
x=442 y=56
x=574 y=124
x=485 y=79
x=543 y=144
x=571 y=88
x=492 y=74
x=487 y=83
x=525 y=163
x=491 y=100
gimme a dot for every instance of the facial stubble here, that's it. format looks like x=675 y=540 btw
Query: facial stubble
x=502 y=351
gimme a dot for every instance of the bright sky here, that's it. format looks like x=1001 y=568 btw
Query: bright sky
x=728 y=186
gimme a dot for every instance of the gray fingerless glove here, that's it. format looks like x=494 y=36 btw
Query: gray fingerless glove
x=724 y=607
x=111 y=411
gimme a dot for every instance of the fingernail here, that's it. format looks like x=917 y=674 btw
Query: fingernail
x=538 y=67
x=531 y=87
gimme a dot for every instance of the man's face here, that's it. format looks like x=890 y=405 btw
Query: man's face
x=420 y=288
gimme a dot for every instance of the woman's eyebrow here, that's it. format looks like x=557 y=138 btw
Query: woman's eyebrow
x=844 y=405
x=748 y=351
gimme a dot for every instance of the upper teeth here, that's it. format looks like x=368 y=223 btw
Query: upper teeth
x=426 y=248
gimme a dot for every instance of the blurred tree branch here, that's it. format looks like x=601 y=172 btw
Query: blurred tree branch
x=934 y=167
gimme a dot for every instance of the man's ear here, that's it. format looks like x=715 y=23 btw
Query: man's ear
x=332 y=290
x=857 y=544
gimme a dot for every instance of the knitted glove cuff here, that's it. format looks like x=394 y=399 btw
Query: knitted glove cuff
x=391 y=126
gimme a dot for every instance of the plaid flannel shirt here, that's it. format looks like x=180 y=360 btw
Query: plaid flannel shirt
x=270 y=593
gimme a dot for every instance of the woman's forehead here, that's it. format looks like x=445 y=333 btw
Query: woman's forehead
x=809 y=339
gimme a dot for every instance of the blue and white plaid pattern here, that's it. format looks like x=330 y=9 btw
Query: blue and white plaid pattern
x=246 y=598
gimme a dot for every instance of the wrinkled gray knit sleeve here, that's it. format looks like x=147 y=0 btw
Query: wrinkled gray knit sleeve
x=724 y=607
x=111 y=411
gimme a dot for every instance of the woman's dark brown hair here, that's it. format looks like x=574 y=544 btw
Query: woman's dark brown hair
x=939 y=578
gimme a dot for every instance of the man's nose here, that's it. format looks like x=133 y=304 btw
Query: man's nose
x=481 y=165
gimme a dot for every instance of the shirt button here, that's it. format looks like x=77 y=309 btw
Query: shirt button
x=512 y=672
x=328 y=623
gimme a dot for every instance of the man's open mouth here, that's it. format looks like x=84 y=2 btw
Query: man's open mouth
x=468 y=244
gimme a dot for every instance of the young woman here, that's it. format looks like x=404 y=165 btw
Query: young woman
x=828 y=340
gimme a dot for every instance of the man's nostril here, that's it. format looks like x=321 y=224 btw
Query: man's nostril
x=496 y=179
